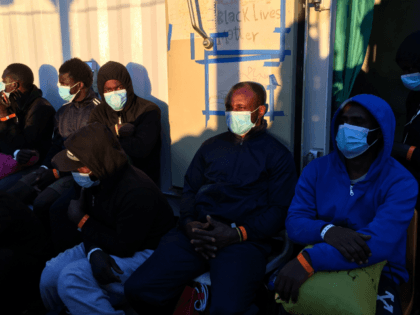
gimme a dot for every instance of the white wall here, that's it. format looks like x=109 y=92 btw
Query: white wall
x=44 y=33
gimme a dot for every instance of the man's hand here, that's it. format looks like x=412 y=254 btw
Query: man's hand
x=25 y=155
x=206 y=249
x=45 y=177
x=102 y=265
x=126 y=130
x=76 y=208
x=349 y=243
x=290 y=279
x=221 y=235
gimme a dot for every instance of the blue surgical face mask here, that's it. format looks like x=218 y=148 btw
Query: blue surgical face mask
x=64 y=92
x=84 y=180
x=116 y=99
x=239 y=122
x=411 y=81
x=352 y=140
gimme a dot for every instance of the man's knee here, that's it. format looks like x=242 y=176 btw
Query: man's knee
x=137 y=290
x=72 y=276
x=48 y=277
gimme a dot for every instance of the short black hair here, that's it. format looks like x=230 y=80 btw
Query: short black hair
x=409 y=50
x=78 y=70
x=22 y=73
x=257 y=88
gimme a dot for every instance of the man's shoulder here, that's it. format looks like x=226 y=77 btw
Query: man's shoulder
x=144 y=106
x=397 y=173
x=43 y=104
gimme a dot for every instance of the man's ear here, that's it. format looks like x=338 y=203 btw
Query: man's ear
x=262 y=110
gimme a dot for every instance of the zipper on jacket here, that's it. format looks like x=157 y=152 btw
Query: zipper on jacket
x=351 y=190
x=119 y=120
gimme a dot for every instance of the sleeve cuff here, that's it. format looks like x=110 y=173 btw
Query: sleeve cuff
x=44 y=167
x=15 y=154
x=91 y=252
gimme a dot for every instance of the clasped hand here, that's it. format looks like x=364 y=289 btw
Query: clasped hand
x=210 y=236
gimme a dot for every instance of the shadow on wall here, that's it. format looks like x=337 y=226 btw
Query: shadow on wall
x=48 y=78
x=6 y=2
x=64 y=6
x=143 y=88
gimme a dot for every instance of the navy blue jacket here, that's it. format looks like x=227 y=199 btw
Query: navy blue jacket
x=248 y=181
x=69 y=118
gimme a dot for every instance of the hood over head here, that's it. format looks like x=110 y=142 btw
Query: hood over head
x=115 y=71
x=409 y=50
x=93 y=146
x=383 y=114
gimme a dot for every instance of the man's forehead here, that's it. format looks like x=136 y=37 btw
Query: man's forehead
x=244 y=91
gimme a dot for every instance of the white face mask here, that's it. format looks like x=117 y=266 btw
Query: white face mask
x=239 y=122
x=84 y=180
x=3 y=88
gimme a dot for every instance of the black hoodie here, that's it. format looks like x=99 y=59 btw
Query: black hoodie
x=128 y=212
x=33 y=126
x=143 y=147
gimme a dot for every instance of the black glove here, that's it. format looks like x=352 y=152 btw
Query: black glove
x=25 y=155
x=45 y=177
x=102 y=265
x=349 y=243
x=126 y=130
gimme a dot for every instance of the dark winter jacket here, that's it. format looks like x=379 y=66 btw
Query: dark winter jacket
x=33 y=126
x=248 y=181
x=21 y=230
x=143 y=147
x=128 y=212
x=69 y=118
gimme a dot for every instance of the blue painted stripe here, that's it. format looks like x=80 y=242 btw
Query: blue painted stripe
x=214 y=112
x=192 y=44
x=169 y=37
x=235 y=59
x=206 y=73
x=246 y=52
x=219 y=35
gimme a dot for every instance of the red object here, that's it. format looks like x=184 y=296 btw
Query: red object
x=305 y=264
x=185 y=304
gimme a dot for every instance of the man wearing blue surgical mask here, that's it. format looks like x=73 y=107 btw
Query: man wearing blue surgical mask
x=237 y=190
x=407 y=151
x=354 y=205
x=121 y=215
x=134 y=120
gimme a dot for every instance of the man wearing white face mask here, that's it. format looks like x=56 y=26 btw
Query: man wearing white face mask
x=354 y=205
x=134 y=120
x=121 y=215
x=26 y=119
x=74 y=86
x=236 y=193
x=407 y=152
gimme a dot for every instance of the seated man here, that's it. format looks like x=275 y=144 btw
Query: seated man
x=24 y=249
x=355 y=204
x=122 y=216
x=134 y=120
x=75 y=81
x=243 y=177
x=26 y=119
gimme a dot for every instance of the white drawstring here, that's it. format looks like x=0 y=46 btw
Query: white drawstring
x=203 y=302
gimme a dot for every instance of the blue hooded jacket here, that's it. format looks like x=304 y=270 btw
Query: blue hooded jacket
x=382 y=205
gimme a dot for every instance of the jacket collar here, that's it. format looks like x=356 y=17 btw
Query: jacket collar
x=87 y=100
